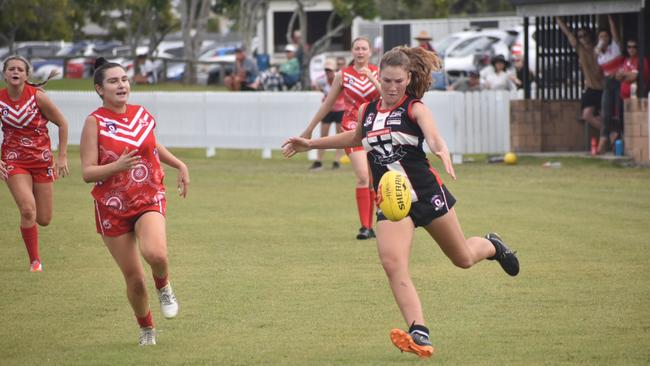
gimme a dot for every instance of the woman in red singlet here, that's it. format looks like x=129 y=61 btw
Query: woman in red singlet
x=27 y=164
x=120 y=154
x=358 y=83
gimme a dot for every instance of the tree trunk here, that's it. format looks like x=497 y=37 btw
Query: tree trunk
x=194 y=18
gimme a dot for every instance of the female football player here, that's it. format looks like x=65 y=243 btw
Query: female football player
x=358 y=84
x=27 y=164
x=120 y=154
x=392 y=130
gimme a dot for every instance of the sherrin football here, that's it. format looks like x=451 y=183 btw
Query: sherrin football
x=394 y=196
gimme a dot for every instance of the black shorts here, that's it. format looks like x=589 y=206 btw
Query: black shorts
x=424 y=211
x=591 y=98
x=335 y=117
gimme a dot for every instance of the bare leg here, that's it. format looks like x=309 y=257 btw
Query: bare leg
x=151 y=234
x=21 y=188
x=394 y=247
x=43 y=200
x=124 y=250
x=360 y=167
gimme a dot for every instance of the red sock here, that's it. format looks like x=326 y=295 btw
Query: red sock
x=145 y=321
x=371 y=206
x=30 y=237
x=160 y=282
x=363 y=203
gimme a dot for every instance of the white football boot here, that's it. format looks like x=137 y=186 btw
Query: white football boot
x=168 y=303
x=147 y=336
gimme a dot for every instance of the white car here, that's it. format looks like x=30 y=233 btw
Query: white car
x=475 y=52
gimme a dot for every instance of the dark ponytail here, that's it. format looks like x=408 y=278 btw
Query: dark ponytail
x=419 y=62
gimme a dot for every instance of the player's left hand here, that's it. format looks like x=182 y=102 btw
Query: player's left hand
x=183 y=181
x=446 y=161
x=61 y=166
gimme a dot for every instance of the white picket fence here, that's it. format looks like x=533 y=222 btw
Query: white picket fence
x=477 y=122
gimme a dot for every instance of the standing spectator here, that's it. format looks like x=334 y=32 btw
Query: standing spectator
x=27 y=164
x=290 y=70
x=244 y=76
x=498 y=77
x=124 y=159
x=628 y=74
x=424 y=40
x=470 y=83
x=335 y=116
x=610 y=59
x=593 y=75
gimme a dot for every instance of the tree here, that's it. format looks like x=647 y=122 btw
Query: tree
x=341 y=18
x=251 y=12
x=24 y=20
x=194 y=18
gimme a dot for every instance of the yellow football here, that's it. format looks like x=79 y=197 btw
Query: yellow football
x=394 y=196
x=510 y=158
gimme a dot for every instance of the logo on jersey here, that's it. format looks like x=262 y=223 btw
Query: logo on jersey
x=107 y=224
x=395 y=117
x=112 y=127
x=369 y=120
x=381 y=142
x=115 y=203
x=50 y=172
x=46 y=155
x=437 y=202
x=143 y=122
x=5 y=111
x=26 y=142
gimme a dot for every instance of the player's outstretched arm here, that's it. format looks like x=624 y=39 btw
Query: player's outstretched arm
x=334 y=92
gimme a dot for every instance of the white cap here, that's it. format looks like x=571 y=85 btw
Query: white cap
x=290 y=48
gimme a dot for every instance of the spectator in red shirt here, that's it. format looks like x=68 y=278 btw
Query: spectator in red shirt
x=629 y=72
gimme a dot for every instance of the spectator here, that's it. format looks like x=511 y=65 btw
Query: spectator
x=290 y=70
x=424 y=40
x=610 y=59
x=245 y=75
x=470 y=83
x=628 y=74
x=593 y=75
x=498 y=77
x=146 y=73
x=271 y=79
x=519 y=68
x=341 y=63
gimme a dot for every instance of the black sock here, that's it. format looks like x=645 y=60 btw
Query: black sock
x=498 y=249
x=421 y=329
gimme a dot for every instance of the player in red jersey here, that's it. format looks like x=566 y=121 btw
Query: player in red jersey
x=393 y=131
x=120 y=154
x=359 y=85
x=27 y=164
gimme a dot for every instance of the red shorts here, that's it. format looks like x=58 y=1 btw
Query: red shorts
x=39 y=175
x=111 y=222
x=348 y=125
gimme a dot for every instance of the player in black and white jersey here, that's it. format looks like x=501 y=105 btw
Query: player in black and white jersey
x=393 y=131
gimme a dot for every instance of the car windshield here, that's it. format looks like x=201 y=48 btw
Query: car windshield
x=441 y=45
x=472 y=46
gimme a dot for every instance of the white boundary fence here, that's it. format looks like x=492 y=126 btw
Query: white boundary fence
x=477 y=122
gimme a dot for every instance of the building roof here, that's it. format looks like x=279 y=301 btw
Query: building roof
x=527 y=8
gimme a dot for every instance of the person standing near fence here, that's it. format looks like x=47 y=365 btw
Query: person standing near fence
x=358 y=84
x=27 y=164
x=393 y=131
x=335 y=116
x=120 y=154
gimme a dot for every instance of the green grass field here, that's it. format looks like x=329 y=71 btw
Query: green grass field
x=267 y=271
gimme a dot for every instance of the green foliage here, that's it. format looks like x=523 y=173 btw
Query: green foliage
x=347 y=10
x=267 y=271
x=43 y=20
x=425 y=9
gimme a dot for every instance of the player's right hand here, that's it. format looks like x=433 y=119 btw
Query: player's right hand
x=128 y=160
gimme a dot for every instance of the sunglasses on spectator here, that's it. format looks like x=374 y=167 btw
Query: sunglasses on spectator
x=631 y=46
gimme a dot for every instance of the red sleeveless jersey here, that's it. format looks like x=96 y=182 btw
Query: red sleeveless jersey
x=26 y=140
x=142 y=185
x=357 y=89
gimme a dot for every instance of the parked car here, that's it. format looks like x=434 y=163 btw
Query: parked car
x=474 y=53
